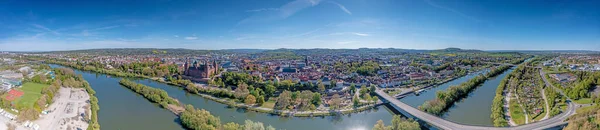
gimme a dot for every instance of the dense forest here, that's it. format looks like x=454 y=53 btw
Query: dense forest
x=584 y=83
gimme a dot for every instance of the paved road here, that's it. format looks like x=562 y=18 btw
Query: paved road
x=448 y=125
x=543 y=74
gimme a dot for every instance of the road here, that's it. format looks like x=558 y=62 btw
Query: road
x=543 y=74
x=448 y=125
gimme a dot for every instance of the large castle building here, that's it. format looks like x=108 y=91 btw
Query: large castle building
x=197 y=70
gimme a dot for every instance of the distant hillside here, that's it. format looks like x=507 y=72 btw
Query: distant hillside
x=298 y=52
x=457 y=50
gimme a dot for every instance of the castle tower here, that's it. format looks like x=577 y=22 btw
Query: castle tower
x=207 y=69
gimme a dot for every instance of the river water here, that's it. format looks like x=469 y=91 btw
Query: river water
x=122 y=109
x=416 y=100
x=472 y=110
x=477 y=107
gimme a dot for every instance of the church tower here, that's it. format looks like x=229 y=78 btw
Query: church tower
x=186 y=66
x=306 y=60
x=215 y=66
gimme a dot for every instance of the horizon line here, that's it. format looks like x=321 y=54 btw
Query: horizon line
x=489 y=50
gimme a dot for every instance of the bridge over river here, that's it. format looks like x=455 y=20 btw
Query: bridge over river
x=449 y=125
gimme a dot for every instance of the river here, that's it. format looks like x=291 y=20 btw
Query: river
x=416 y=100
x=472 y=110
x=121 y=108
x=477 y=107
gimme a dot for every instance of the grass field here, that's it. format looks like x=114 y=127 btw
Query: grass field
x=583 y=101
x=269 y=104
x=562 y=106
x=393 y=92
x=32 y=94
x=516 y=113
x=587 y=108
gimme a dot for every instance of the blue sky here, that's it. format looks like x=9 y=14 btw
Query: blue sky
x=224 y=24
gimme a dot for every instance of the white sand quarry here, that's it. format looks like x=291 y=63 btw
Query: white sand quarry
x=67 y=111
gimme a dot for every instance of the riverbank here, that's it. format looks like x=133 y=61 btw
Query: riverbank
x=231 y=103
x=445 y=99
x=155 y=96
x=499 y=103
x=190 y=117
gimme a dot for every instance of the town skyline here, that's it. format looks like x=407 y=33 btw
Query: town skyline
x=213 y=25
x=266 y=49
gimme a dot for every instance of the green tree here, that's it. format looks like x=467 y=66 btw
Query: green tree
x=270 y=89
x=321 y=87
x=260 y=100
x=250 y=99
x=380 y=126
x=352 y=88
x=316 y=99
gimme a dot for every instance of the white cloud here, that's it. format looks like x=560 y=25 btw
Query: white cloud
x=346 y=42
x=105 y=28
x=175 y=35
x=451 y=10
x=191 y=38
x=263 y=9
x=282 y=12
x=342 y=7
x=46 y=29
x=244 y=38
x=361 y=34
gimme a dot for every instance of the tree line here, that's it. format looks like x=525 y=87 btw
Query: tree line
x=191 y=118
x=67 y=78
x=398 y=123
x=304 y=101
x=498 y=102
x=153 y=94
x=200 y=119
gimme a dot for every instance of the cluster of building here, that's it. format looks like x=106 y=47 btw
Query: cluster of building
x=564 y=77
x=10 y=79
x=392 y=70
x=576 y=62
